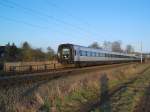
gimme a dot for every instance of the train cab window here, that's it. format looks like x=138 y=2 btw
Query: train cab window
x=66 y=53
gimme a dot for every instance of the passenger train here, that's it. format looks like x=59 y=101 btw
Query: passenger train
x=85 y=56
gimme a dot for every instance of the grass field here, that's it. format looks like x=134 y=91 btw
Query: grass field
x=128 y=98
x=76 y=93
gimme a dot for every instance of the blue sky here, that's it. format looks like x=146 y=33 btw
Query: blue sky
x=52 y=22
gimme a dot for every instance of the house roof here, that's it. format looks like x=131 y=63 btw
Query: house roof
x=2 y=48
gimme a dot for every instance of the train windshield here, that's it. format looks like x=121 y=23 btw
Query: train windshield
x=66 y=53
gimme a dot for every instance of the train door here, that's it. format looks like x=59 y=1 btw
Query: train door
x=77 y=56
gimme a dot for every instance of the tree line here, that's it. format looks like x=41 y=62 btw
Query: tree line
x=115 y=46
x=26 y=53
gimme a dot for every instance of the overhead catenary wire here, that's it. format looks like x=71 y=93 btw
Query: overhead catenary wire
x=26 y=12
x=27 y=23
x=41 y=14
x=73 y=16
x=23 y=22
x=45 y=15
x=66 y=12
x=33 y=25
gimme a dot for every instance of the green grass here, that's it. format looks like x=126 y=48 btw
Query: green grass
x=46 y=107
x=127 y=99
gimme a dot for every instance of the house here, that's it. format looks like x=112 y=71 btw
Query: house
x=2 y=51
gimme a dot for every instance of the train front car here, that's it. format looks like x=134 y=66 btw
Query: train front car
x=66 y=54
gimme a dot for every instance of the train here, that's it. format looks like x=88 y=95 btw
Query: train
x=84 y=56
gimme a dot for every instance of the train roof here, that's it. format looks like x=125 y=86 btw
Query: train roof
x=105 y=51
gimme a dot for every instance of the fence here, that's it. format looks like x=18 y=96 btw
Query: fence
x=32 y=66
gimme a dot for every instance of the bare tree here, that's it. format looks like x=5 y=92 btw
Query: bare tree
x=129 y=49
x=107 y=45
x=50 y=53
x=95 y=45
x=116 y=46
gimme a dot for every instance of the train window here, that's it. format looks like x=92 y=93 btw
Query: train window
x=75 y=52
x=110 y=55
x=86 y=53
x=113 y=55
x=103 y=54
x=97 y=54
x=80 y=52
x=106 y=55
x=91 y=53
x=83 y=53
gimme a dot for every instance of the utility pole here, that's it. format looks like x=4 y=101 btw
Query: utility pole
x=141 y=53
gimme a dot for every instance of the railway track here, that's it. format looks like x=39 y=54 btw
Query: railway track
x=35 y=77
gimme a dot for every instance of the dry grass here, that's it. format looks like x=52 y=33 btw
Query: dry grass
x=129 y=98
x=66 y=94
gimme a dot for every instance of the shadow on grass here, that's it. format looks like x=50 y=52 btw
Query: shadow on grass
x=104 y=96
x=144 y=103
